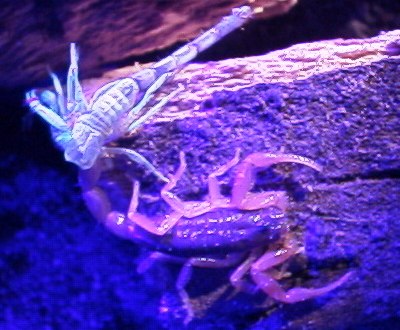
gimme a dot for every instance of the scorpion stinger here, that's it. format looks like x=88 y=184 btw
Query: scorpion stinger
x=82 y=129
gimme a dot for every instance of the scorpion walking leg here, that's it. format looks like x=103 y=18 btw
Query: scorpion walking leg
x=237 y=277
x=187 y=209
x=272 y=288
x=135 y=157
x=184 y=277
x=146 y=263
x=186 y=273
x=170 y=198
x=146 y=98
x=213 y=184
x=149 y=224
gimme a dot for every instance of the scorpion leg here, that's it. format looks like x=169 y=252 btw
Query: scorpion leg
x=170 y=198
x=213 y=184
x=188 y=209
x=146 y=263
x=273 y=289
x=135 y=157
x=146 y=223
x=186 y=273
x=183 y=278
x=151 y=112
x=237 y=277
x=76 y=101
x=242 y=198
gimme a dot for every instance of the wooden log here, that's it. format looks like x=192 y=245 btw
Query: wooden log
x=294 y=63
x=333 y=101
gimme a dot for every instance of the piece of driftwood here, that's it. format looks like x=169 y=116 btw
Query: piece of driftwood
x=333 y=101
x=35 y=36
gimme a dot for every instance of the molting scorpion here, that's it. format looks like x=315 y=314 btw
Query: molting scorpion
x=247 y=229
x=82 y=129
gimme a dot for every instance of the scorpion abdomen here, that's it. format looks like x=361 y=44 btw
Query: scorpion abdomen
x=222 y=231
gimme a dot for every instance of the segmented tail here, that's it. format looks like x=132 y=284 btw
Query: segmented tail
x=189 y=51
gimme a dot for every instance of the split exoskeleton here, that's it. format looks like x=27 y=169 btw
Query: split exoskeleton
x=82 y=129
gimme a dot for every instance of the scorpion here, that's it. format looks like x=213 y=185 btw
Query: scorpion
x=247 y=230
x=82 y=129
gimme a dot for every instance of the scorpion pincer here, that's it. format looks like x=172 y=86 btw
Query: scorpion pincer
x=82 y=129
x=248 y=229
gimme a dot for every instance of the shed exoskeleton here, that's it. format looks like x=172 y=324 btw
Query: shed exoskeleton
x=82 y=128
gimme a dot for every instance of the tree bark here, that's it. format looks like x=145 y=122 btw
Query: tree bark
x=333 y=101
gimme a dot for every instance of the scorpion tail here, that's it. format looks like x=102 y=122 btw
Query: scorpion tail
x=189 y=51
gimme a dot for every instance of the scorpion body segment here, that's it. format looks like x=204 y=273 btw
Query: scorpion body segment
x=216 y=233
x=223 y=231
x=81 y=129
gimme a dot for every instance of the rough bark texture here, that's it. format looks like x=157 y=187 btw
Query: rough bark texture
x=36 y=35
x=60 y=270
x=293 y=63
